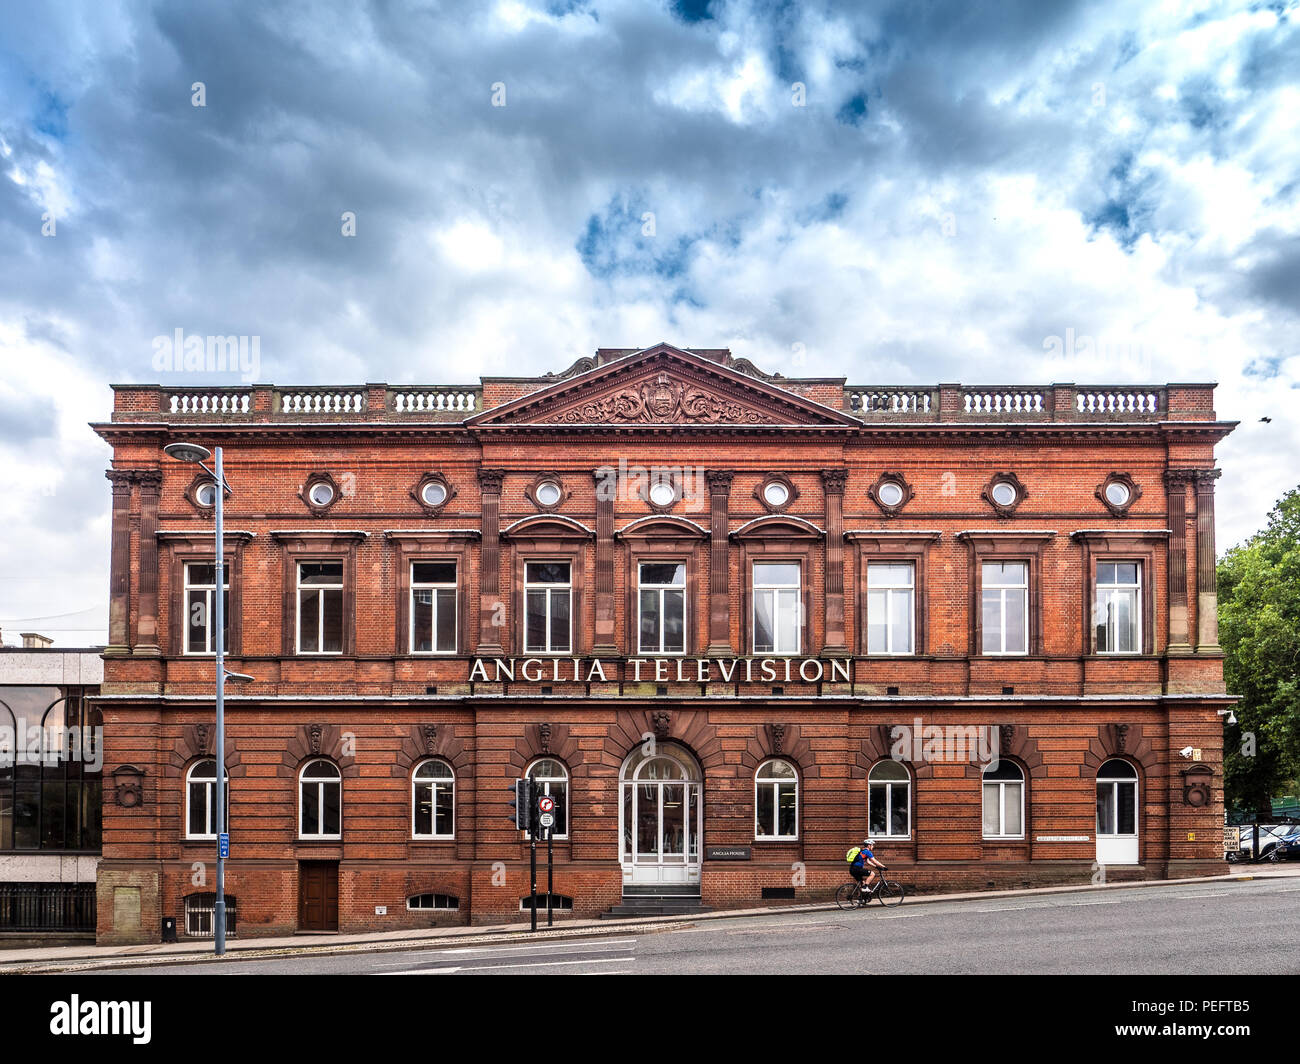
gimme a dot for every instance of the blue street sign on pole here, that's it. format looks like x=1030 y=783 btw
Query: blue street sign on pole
x=223 y=846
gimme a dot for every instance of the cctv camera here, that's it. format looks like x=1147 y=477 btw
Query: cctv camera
x=1186 y=751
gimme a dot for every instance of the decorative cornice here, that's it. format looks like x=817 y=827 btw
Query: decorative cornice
x=317 y=535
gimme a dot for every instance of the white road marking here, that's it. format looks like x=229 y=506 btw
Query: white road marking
x=569 y=947
x=504 y=967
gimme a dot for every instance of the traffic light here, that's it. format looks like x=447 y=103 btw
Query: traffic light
x=521 y=804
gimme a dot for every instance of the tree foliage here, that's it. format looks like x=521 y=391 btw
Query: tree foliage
x=1259 y=629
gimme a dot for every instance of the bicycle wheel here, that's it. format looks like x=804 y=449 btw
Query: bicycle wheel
x=890 y=893
x=847 y=896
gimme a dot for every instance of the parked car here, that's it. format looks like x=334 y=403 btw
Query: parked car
x=1287 y=848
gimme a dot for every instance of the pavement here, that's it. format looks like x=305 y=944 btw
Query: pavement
x=87 y=957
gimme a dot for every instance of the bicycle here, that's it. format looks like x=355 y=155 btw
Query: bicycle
x=855 y=896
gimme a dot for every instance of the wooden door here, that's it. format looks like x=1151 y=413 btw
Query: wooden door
x=318 y=896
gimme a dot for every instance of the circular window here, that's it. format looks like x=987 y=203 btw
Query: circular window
x=548 y=493
x=776 y=494
x=321 y=493
x=1004 y=493
x=1118 y=493
x=663 y=493
x=206 y=494
x=890 y=493
x=434 y=493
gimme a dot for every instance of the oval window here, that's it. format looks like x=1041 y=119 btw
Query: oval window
x=321 y=493
x=1004 y=493
x=776 y=494
x=1117 y=493
x=890 y=493
x=662 y=493
x=206 y=494
x=548 y=493
x=434 y=493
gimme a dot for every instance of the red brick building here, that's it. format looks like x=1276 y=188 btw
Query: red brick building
x=731 y=622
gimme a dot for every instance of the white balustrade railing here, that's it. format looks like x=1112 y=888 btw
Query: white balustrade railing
x=323 y=401
x=434 y=400
x=207 y=402
x=1013 y=401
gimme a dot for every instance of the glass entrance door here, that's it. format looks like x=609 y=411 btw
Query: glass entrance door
x=1117 y=813
x=660 y=817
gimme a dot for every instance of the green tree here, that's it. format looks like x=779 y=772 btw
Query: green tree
x=1259 y=628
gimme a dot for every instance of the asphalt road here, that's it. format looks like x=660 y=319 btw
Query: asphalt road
x=1213 y=928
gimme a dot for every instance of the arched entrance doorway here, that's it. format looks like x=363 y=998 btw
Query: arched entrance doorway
x=1117 y=813
x=660 y=818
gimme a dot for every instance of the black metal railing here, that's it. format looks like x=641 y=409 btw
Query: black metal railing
x=47 y=906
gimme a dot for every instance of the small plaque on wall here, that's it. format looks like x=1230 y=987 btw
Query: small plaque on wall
x=727 y=853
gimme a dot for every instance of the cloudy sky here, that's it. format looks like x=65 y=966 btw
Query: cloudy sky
x=896 y=192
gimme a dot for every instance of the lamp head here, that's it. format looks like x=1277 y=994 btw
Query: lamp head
x=239 y=677
x=187 y=452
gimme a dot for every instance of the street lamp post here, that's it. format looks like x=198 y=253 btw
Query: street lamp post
x=192 y=452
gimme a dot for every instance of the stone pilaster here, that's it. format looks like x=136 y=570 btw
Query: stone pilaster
x=119 y=571
x=719 y=482
x=1207 y=584
x=606 y=614
x=492 y=608
x=146 y=641
x=1176 y=481
x=833 y=481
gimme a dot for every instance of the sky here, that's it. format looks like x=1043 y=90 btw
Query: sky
x=898 y=193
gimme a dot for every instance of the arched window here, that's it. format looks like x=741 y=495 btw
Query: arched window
x=200 y=910
x=889 y=801
x=433 y=801
x=320 y=790
x=201 y=800
x=1004 y=801
x=776 y=801
x=1117 y=798
x=549 y=777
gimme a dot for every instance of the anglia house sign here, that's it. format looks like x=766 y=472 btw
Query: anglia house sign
x=727 y=853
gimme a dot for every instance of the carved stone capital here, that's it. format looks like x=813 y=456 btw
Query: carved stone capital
x=1205 y=479
x=490 y=481
x=834 y=480
x=719 y=481
x=121 y=480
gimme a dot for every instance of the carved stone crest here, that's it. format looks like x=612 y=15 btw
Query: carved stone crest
x=544 y=736
x=429 y=734
x=201 y=733
x=661 y=400
x=661 y=720
x=778 y=737
x=1120 y=732
x=128 y=786
x=314 y=735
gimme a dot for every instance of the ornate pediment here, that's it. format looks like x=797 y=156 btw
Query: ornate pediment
x=663 y=385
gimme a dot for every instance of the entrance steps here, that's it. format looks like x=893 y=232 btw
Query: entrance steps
x=657 y=901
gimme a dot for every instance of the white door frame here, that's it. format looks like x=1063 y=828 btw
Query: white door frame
x=654 y=867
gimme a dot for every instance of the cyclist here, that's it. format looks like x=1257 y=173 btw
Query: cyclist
x=864 y=862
